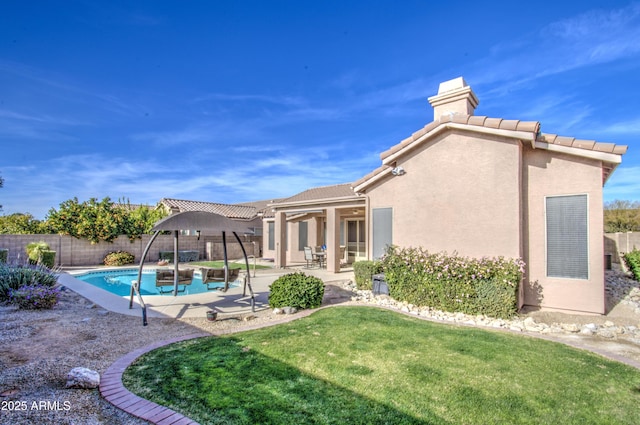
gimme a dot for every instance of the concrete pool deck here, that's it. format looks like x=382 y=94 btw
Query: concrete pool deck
x=195 y=305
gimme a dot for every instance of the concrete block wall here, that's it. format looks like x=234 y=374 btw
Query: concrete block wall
x=71 y=252
x=618 y=244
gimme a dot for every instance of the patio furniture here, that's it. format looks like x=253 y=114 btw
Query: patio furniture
x=312 y=258
x=165 y=277
x=217 y=275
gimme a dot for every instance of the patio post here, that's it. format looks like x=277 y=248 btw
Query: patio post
x=333 y=239
x=280 y=238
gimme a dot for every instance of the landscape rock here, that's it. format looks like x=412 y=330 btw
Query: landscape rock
x=81 y=377
x=620 y=288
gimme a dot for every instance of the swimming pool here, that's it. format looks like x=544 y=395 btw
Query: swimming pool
x=119 y=282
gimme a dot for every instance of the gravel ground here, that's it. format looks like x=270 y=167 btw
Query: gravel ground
x=39 y=348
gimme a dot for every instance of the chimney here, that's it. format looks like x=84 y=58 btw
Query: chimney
x=454 y=97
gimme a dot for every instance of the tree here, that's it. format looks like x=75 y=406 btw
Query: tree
x=21 y=224
x=101 y=220
x=622 y=216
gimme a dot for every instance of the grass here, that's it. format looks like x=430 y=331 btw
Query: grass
x=361 y=365
x=232 y=265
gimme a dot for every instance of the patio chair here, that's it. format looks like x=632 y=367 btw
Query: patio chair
x=311 y=258
x=215 y=275
x=164 y=278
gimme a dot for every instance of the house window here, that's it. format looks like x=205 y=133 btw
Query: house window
x=567 y=236
x=272 y=235
x=303 y=231
x=382 y=226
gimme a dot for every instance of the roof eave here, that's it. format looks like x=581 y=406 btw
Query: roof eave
x=511 y=134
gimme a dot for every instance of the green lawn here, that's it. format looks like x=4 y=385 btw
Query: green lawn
x=359 y=365
x=232 y=265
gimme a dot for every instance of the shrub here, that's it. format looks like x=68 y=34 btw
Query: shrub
x=4 y=254
x=452 y=283
x=40 y=253
x=296 y=290
x=13 y=277
x=34 y=297
x=363 y=272
x=119 y=258
x=632 y=259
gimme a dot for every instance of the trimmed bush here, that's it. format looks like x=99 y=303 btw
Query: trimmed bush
x=4 y=254
x=34 y=297
x=451 y=283
x=119 y=258
x=48 y=258
x=296 y=290
x=363 y=272
x=13 y=277
x=632 y=259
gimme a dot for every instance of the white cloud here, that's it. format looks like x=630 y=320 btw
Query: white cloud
x=623 y=184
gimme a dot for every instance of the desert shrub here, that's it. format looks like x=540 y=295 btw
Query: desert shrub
x=15 y=276
x=4 y=254
x=119 y=258
x=363 y=272
x=452 y=283
x=34 y=297
x=296 y=290
x=632 y=259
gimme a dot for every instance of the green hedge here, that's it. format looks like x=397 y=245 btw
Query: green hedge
x=452 y=283
x=363 y=272
x=4 y=254
x=632 y=259
x=296 y=290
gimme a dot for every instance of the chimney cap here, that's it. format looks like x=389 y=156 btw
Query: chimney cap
x=454 y=97
x=455 y=84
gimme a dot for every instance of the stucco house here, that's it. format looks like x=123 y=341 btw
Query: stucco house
x=473 y=185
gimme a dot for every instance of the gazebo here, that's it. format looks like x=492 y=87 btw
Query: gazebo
x=193 y=220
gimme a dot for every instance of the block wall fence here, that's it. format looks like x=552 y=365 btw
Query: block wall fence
x=618 y=244
x=72 y=252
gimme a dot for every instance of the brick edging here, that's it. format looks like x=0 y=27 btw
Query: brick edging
x=112 y=389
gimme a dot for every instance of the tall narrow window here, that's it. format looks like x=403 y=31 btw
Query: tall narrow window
x=272 y=235
x=303 y=231
x=567 y=236
x=382 y=230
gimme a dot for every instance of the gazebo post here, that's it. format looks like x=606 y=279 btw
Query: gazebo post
x=175 y=262
x=226 y=261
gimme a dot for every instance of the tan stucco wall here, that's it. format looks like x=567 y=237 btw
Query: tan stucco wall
x=460 y=193
x=547 y=174
x=295 y=254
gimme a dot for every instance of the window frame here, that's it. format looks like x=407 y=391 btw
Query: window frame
x=587 y=236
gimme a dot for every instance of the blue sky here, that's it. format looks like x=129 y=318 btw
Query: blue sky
x=244 y=100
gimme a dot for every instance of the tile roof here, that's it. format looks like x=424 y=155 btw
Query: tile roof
x=483 y=123
x=243 y=212
x=513 y=125
x=323 y=192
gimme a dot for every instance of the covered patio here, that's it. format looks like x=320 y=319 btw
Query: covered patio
x=330 y=216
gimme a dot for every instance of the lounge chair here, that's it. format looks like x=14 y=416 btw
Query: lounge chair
x=211 y=275
x=164 y=278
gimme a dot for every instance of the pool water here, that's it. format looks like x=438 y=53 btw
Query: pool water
x=119 y=282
